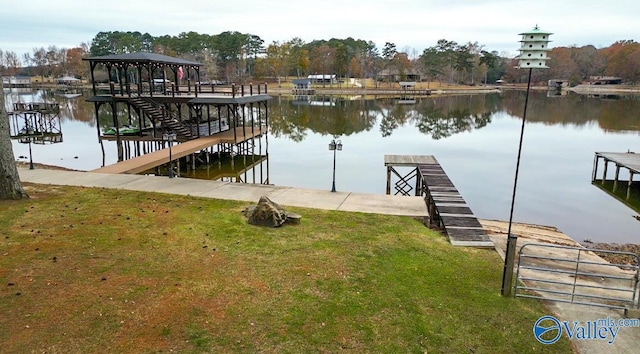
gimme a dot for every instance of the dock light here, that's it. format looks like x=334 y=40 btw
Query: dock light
x=30 y=139
x=534 y=47
x=170 y=136
x=334 y=146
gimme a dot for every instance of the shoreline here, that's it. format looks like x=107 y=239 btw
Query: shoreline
x=421 y=89
x=496 y=229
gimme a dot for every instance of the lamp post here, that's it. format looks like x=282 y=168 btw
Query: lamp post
x=170 y=136
x=334 y=146
x=30 y=154
x=533 y=54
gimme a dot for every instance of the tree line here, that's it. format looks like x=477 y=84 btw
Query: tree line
x=239 y=57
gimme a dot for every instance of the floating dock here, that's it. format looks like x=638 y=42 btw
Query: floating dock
x=446 y=207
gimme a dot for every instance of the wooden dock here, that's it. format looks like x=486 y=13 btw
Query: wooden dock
x=446 y=206
x=628 y=160
x=160 y=157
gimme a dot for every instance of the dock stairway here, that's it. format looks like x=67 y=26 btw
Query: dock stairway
x=159 y=114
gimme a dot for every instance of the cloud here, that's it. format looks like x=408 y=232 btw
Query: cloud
x=413 y=24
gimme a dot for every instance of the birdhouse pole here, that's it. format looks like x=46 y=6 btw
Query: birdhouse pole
x=534 y=47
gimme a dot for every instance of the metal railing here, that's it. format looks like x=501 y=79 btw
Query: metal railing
x=577 y=275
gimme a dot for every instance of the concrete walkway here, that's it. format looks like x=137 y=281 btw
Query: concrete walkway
x=286 y=196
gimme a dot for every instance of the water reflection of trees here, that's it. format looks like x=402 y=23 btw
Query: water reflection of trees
x=613 y=113
x=442 y=117
x=324 y=115
x=439 y=117
x=436 y=116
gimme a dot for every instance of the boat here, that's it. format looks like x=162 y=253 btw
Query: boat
x=124 y=130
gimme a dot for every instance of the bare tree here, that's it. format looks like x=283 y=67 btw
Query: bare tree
x=39 y=61
x=10 y=185
x=12 y=62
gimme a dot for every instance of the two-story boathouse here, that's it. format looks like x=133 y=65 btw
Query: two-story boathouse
x=147 y=95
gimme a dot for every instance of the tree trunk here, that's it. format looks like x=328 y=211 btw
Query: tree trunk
x=10 y=185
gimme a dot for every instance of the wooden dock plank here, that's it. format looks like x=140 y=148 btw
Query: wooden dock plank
x=440 y=197
x=443 y=195
x=466 y=232
x=443 y=189
x=457 y=205
x=408 y=160
x=156 y=158
x=455 y=209
x=438 y=182
x=439 y=201
x=629 y=160
x=460 y=221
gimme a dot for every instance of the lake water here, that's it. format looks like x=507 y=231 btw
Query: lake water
x=474 y=137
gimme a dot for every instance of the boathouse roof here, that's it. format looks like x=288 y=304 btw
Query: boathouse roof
x=142 y=57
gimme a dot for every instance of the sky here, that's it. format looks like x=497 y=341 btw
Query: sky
x=412 y=25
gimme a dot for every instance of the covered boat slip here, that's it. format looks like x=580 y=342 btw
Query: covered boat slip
x=446 y=207
x=188 y=117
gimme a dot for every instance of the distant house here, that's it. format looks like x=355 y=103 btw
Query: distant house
x=301 y=84
x=67 y=80
x=605 y=80
x=394 y=75
x=302 y=87
x=558 y=84
x=16 y=81
x=407 y=85
x=322 y=79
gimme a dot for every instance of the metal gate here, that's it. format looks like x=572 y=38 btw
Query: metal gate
x=577 y=275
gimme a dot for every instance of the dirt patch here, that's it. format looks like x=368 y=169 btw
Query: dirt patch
x=616 y=258
x=550 y=234
x=526 y=233
x=40 y=166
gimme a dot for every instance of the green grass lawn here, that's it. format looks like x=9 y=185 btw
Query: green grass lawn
x=98 y=270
